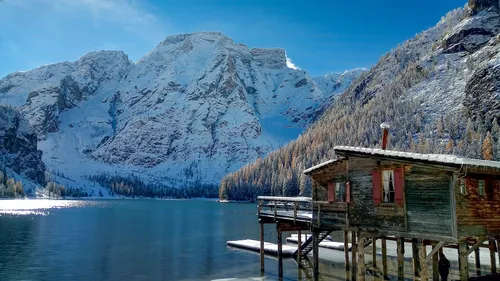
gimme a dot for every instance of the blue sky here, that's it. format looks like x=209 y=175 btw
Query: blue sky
x=319 y=36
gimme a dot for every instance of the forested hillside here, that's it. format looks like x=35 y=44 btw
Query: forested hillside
x=438 y=91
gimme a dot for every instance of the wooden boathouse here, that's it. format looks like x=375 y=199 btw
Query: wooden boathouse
x=377 y=194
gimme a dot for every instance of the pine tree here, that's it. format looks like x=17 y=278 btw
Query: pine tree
x=488 y=147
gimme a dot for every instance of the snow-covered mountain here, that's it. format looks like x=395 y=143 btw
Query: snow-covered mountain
x=196 y=107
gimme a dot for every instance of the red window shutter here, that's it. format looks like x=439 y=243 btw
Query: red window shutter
x=348 y=191
x=331 y=192
x=376 y=182
x=398 y=186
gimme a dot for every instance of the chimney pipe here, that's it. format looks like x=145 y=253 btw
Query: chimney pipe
x=385 y=133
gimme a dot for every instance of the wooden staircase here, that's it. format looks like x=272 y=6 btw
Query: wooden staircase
x=307 y=246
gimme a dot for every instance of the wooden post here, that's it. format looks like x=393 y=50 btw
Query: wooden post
x=354 y=247
x=374 y=252
x=462 y=257
x=315 y=254
x=299 y=249
x=346 y=249
x=384 y=257
x=401 y=258
x=498 y=248
x=435 y=267
x=280 y=251
x=416 y=260
x=478 y=262
x=423 y=265
x=492 y=256
x=361 y=257
x=261 y=247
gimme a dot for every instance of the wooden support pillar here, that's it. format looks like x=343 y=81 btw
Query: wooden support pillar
x=401 y=258
x=478 y=262
x=280 y=251
x=415 y=257
x=315 y=234
x=261 y=247
x=498 y=248
x=354 y=248
x=374 y=252
x=384 y=256
x=435 y=267
x=423 y=265
x=299 y=249
x=346 y=249
x=463 y=262
x=492 y=256
x=361 y=257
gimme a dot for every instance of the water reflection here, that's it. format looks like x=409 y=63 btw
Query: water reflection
x=40 y=206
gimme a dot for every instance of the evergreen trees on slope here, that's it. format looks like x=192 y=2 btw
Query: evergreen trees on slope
x=380 y=95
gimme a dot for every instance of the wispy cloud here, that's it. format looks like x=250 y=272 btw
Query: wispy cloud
x=49 y=31
x=131 y=15
x=290 y=64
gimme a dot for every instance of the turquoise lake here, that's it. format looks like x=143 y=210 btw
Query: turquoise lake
x=132 y=240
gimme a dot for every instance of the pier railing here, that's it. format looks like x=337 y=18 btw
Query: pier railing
x=291 y=208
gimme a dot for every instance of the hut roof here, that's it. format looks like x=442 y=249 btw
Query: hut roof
x=437 y=159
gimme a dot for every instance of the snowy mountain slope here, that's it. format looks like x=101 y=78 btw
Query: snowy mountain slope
x=196 y=107
x=438 y=90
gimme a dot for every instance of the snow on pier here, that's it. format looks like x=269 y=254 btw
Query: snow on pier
x=269 y=248
x=328 y=243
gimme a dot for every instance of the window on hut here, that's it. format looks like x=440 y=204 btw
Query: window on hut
x=336 y=191
x=388 y=190
x=388 y=186
x=480 y=187
x=340 y=191
x=463 y=187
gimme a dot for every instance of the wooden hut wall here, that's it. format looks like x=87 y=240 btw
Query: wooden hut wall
x=478 y=214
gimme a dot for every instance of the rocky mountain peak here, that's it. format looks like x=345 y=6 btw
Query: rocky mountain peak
x=477 y=6
x=208 y=36
x=273 y=58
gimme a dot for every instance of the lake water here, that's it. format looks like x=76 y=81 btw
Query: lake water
x=131 y=240
x=152 y=240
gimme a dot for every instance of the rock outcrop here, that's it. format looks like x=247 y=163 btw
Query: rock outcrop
x=18 y=146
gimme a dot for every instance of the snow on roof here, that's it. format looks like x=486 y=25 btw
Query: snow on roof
x=437 y=158
x=443 y=159
x=320 y=165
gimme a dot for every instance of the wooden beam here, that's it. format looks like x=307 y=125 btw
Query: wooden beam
x=299 y=249
x=280 y=251
x=416 y=260
x=498 y=249
x=354 y=247
x=374 y=252
x=315 y=254
x=401 y=259
x=435 y=268
x=434 y=251
x=478 y=262
x=423 y=264
x=493 y=257
x=384 y=257
x=346 y=249
x=291 y=227
x=478 y=243
x=463 y=262
x=261 y=247
x=361 y=257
